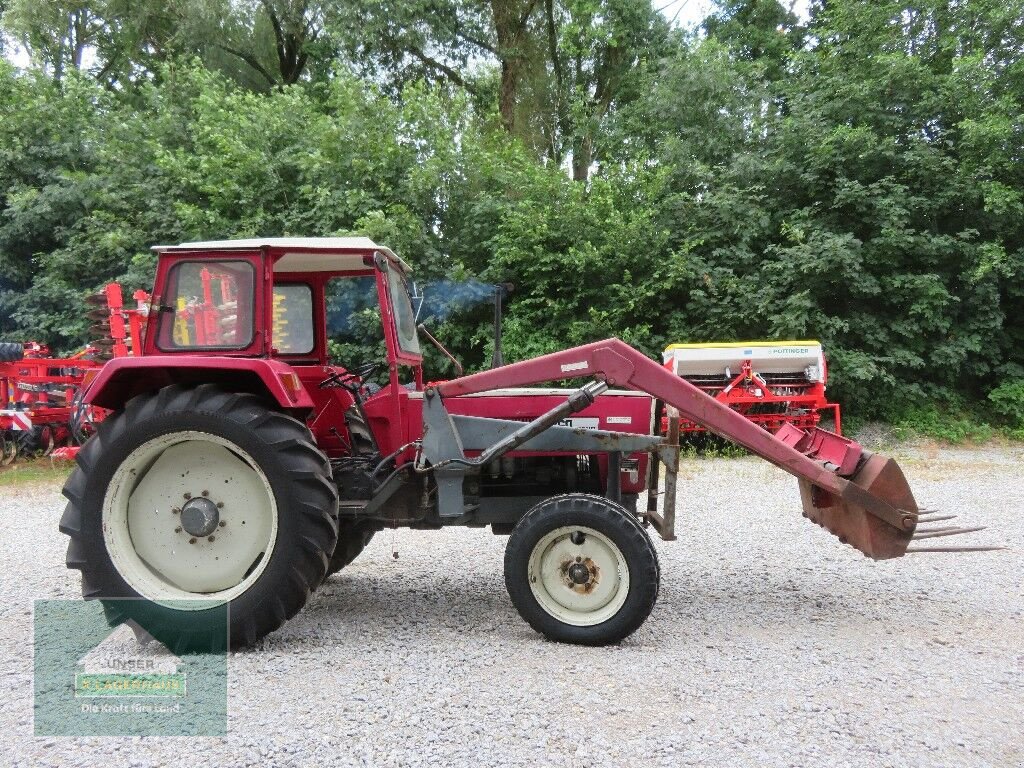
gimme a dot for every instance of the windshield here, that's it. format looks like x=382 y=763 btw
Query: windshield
x=405 y=320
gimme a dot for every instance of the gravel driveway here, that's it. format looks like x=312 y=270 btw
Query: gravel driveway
x=771 y=645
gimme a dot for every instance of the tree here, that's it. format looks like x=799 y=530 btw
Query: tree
x=762 y=32
x=876 y=206
x=561 y=65
x=597 y=49
x=260 y=43
x=274 y=38
x=57 y=35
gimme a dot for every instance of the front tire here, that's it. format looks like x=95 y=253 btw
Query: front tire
x=193 y=499
x=581 y=569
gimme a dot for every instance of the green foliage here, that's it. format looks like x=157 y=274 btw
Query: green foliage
x=860 y=198
x=555 y=72
x=1008 y=401
x=937 y=422
x=704 y=445
x=259 y=45
x=855 y=179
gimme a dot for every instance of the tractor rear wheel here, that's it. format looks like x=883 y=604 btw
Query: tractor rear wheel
x=193 y=499
x=352 y=540
x=581 y=569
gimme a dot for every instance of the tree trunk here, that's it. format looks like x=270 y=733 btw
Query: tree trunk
x=508 y=94
x=582 y=157
x=510 y=20
x=291 y=33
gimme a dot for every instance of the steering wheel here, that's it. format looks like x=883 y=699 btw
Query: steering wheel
x=351 y=380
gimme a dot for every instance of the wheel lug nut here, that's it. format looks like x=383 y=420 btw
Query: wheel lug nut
x=175 y=510
x=178 y=529
x=188 y=495
x=220 y=505
x=221 y=523
x=211 y=538
x=192 y=540
x=206 y=493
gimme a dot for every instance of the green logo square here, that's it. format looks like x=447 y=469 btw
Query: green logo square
x=101 y=676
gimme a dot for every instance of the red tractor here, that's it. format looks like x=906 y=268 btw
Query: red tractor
x=241 y=465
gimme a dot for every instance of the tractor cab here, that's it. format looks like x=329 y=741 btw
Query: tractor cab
x=267 y=297
x=336 y=310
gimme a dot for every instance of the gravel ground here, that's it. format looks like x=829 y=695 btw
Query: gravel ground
x=771 y=645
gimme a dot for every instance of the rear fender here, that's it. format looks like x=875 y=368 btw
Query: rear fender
x=124 y=377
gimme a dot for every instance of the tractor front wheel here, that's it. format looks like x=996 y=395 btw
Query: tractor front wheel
x=190 y=499
x=581 y=569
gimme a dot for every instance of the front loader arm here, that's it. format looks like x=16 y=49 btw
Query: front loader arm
x=621 y=365
x=821 y=460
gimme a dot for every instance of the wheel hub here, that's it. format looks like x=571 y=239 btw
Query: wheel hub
x=199 y=517
x=579 y=573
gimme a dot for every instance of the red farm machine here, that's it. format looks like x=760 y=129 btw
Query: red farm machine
x=38 y=406
x=241 y=465
x=771 y=383
x=41 y=405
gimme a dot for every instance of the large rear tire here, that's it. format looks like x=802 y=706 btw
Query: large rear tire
x=581 y=569
x=193 y=499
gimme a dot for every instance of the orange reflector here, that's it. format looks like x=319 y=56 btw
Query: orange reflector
x=291 y=383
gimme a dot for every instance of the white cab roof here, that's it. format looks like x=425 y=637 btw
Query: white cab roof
x=301 y=254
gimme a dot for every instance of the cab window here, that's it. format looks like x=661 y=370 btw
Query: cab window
x=355 y=335
x=207 y=305
x=292 y=331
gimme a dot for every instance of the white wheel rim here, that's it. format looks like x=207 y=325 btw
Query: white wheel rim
x=147 y=539
x=564 y=552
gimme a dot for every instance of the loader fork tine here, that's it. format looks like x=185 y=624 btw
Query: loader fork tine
x=934 y=518
x=935 y=533
x=936 y=530
x=981 y=548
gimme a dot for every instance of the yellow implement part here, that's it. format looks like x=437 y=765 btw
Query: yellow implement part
x=181 y=334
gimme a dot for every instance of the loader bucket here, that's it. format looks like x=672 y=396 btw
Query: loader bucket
x=864 y=499
x=853 y=524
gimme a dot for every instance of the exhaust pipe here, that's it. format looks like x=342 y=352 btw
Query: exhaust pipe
x=498 y=358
